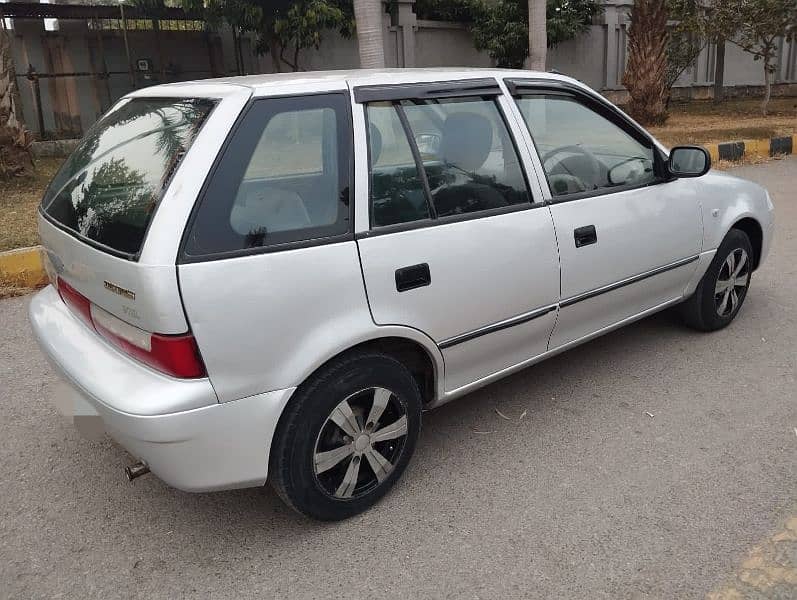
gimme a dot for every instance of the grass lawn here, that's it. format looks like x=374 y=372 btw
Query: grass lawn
x=698 y=122
x=703 y=122
x=18 y=204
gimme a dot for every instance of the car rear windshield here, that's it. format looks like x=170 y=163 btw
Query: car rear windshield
x=108 y=189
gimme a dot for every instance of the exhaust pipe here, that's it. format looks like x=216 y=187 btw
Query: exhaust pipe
x=137 y=470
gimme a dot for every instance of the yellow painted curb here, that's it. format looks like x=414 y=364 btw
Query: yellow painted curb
x=756 y=147
x=22 y=268
x=713 y=150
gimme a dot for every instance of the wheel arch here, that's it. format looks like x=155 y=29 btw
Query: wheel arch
x=411 y=347
x=419 y=353
x=752 y=228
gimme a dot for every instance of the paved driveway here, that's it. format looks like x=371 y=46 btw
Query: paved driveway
x=654 y=462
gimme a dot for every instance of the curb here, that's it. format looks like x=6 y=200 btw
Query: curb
x=761 y=147
x=22 y=268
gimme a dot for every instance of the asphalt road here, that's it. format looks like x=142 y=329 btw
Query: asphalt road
x=588 y=496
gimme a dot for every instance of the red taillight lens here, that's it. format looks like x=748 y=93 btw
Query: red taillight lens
x=175 y=355
x=79 y=304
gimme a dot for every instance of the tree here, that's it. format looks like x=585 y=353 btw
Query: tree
x=687 y=38
x=368 y=15
x=281 y=26
x=240 y=15
x=645 y=76
x=501 y=27
x=699 y=22
x=302 y=24
x=15 y=139
x=538 y=35
x=719 y=69
x=760 y=24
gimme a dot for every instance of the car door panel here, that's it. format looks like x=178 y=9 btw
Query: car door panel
x=628 y=239
x=582 y=318
x=484 y=286
x=637 y=231
x=502 y=348
x=483 y=271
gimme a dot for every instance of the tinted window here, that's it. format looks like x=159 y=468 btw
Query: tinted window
x=464 y=148
x=282 y=178
x=581 y=150
x=108 y=189
x=397 y=194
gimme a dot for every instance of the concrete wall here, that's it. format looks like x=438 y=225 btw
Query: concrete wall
x=70 y=105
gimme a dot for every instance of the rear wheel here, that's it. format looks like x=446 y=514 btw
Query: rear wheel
x=721 y=293
x=346 y=436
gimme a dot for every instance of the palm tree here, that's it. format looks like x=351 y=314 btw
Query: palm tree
x=645 y=75
x=15 y=157
x=538 y=34
x=368 y=14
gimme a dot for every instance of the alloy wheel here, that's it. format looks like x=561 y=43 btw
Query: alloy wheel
x=370 y=426
x=732 y=281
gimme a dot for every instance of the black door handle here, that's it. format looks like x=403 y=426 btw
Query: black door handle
x=585 y=236
x=415 y=276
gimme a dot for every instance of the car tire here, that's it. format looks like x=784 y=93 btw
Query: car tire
x=346 y=436
x=721 y=292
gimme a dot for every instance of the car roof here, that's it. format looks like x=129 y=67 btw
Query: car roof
x=273 y=83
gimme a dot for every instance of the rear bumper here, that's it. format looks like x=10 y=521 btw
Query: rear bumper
x=177 y=427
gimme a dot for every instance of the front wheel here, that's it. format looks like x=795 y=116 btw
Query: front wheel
x=346 y=436
x=720 y=294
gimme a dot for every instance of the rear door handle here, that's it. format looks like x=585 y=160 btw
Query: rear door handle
x=585 y=236
x=415 y=276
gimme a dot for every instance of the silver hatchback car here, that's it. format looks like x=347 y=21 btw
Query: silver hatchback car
x=273 y=276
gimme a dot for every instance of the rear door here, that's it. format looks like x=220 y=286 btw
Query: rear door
x=457 y=245
x=629 y=238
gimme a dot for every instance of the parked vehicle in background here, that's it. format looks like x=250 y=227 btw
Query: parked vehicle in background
x=275 y=275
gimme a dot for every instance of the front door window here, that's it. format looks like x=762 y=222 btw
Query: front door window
x=580 y=149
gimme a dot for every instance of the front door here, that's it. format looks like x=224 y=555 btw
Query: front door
x=629 y=239
x=457 y=247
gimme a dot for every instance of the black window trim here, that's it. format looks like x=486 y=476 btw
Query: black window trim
x=487 y=86
x=416 y=156
x=134 y=256
x=434 y=220
x=184 y=258
x=525 y=87
x=425 y=223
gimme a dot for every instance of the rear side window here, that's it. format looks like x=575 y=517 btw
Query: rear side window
x=283 y=178
x=463 y=156
x=397 y=194
x=108 y=189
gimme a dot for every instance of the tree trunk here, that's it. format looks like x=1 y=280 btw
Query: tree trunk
x=15 y=140
x=538 y=35
x=767 y=86
x=719 y=71
x=274 y=50
x=156 y=28
x=645 y=76
x=368 y=15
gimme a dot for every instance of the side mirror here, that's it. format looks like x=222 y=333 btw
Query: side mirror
x=688 y=161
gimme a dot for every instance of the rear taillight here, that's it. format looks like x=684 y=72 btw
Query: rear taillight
x=79 y=304
x=175 y=355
